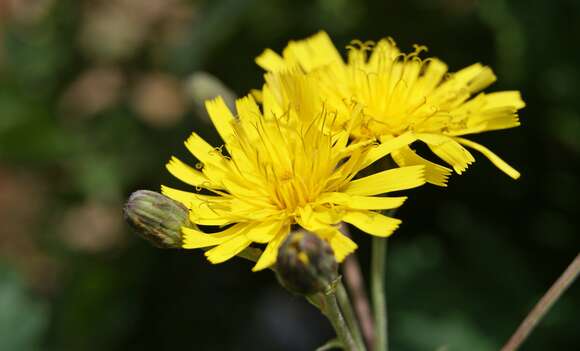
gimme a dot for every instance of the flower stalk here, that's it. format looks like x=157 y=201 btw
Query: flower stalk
x=350 y=316
x=378 y=293
x=543 y=306
x=331 y=310
x=354 y=281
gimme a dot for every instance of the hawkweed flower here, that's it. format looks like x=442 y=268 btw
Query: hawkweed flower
x=402 y=96
x=275 y=172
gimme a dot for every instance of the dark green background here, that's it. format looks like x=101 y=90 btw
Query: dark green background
x=466 y=266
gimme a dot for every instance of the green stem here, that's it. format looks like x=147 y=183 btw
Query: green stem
x=349 y=315
x=378 y=292
x=544 y=305
x=354 y=282
x=332 y=311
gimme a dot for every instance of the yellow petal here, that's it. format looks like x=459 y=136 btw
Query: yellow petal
x=342 y=245
x=243 y=187
x=221 y=116
x=268 y=257
x=388 y=146
x=474 y=77
x=257 y=95
x=503 y=99
x=270 y=61
x=488 y=120
x=482 y=80
x=387 y=181
x=248 y=111
x=434 y=73
x=272 y=104
x=434 y=173
x=195 y=239
x=362 y=202
x=204 y=151
x=228 y=249
x=215 y=167
x=189 y=199
x=211 y=213
x=187 y=174
x=496 y=160
x=317 y=221
x=448 y=150
x=264 y=232
x=321 y=224
x=314 y=52
x=372 y=222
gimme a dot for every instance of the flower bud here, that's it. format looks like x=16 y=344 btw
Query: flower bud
x=156 y=218
x=306 y=264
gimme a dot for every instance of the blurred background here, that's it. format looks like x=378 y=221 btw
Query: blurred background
x=96 y=95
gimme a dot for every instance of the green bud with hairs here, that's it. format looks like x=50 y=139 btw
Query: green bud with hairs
x=157 y=218
x=306 y=264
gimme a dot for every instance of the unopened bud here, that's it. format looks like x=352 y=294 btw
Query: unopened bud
x=156 y=218
x=306 y=264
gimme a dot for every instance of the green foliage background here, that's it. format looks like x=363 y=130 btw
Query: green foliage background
x=94 y=98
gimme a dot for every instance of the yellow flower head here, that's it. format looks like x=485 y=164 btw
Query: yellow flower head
x=275 y=172
x=402 y=96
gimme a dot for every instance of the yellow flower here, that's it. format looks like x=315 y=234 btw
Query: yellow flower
x=401 y=96
x=275 y=172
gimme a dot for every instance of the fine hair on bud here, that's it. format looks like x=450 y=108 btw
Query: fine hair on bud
x=156 y=218
x=306 y=264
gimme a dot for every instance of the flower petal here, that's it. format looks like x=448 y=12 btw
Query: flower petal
x=268 y=257
x=228 y=249
x=270 y=61
x=434 y=73
x=215 y=167
x=372 y=222
x=203 y=151
x=496 y=160
x=448 y=150
x=188 y=174
x=195 y=239
x=387 y=181
x=211 y=213
x=314 y=52
x=434 y=173
x=342 y=245
x=362 y=202
x=511 y=98
x=221 y=116
x=388 y=146
x=264 y=232
x=190 y=199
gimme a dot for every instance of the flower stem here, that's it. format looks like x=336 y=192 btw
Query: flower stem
x=349 y=315
x=354 y=281
x=378 y=292
x=332 y=311
x=544 y=305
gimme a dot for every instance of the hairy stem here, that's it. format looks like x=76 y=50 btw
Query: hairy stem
x=354 y=280
x=332 y=311
x=543 y=306
x=349 y=315
x=378 y=292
